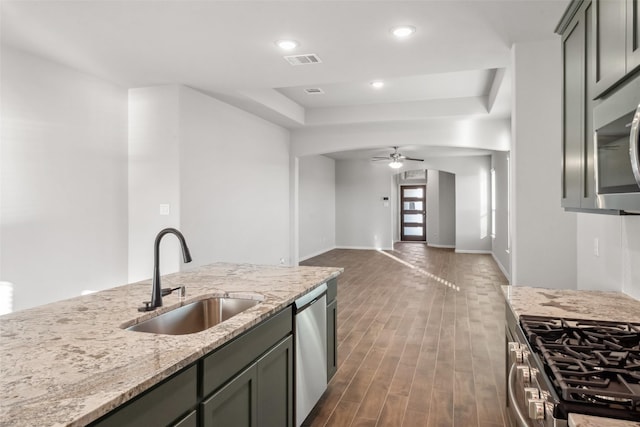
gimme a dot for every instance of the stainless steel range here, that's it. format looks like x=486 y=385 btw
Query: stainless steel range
x=560 y=366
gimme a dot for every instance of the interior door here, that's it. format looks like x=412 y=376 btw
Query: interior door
x=413 y=210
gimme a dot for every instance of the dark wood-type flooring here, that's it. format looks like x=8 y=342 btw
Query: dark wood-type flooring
x=420 y=339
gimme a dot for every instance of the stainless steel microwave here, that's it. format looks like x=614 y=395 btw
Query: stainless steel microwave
x=617 y=154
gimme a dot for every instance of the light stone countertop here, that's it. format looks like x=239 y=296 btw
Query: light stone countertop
x=70 y=362
x=577 y=420
x=574 y=304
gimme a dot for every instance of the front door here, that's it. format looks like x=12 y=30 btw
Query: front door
x=413 y=224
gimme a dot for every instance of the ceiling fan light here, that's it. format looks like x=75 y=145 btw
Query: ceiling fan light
x=395 y=164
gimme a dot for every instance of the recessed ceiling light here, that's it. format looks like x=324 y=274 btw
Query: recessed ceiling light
x=377 y=84
x=287 y=44
x=403 y=31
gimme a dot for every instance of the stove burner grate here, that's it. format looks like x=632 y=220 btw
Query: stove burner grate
x=590 y=362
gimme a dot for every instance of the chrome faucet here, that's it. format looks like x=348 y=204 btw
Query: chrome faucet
x=156 y=290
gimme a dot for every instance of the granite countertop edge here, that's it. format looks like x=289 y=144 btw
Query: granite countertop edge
x=71 y=362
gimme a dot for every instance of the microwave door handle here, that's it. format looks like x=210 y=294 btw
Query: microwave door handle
x=634 y=150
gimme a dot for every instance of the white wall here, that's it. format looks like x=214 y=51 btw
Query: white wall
x=234 y=183
x=317 y=205
x=64 y=181
x=154 y=178
x=441 y=209
x=433 y=207
x=447 y=209
x=500 y=246
x=360 y=185
x=362 y=220
x=225 y=173
x=616 y=266
x=544 y=236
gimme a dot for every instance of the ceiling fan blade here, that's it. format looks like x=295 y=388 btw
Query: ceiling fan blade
x=415 y=160
x=380 y=158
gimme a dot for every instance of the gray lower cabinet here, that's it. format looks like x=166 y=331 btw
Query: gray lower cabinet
x=164 y=405
x=235 y=404
x=246 y=382
x=261 y=395
x=275 y=386
x=190 y=420
x=332 y=325
x=332 y=339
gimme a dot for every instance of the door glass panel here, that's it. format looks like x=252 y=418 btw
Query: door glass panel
x=413 y=231
x=413 y=218
x=413 y=192
x=411 y=206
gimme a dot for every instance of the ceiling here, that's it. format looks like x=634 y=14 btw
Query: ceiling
x=456 y=64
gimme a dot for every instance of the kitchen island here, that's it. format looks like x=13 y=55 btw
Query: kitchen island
x=572 y=304
x=71 y=362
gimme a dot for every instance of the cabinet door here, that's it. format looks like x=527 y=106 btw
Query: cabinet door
x=573 y=44
x=332 y=339
x=609 y=20
x=588 y=196
x=633 y=34
x=275 y=386
x=235 y=404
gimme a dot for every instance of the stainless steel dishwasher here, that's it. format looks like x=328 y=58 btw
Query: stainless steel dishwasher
x=311 y=350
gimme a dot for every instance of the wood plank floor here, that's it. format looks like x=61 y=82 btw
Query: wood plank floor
x=420 y=340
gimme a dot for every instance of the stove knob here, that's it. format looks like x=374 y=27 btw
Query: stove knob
x=515 y=352
x=531 y=393
x=536 y=409
x=524 y=374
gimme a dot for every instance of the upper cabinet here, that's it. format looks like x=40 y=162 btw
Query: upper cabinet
x=578 y=178
x=633 y=34
x=616 y=50
x=600 y=52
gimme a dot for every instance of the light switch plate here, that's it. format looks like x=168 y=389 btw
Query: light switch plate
x=165 y=209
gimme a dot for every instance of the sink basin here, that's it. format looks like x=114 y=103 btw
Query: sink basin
x=194 y=317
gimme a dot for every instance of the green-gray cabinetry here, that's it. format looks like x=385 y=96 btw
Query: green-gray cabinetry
x=261 y=395
x=332 y=331
x=249 y=381
x=616 y=42
x=169 y=403
x=578 y=177
x=246 y=382
x=633 y=34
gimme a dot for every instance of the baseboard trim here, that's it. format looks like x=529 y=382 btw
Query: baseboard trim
x=363 y=248
x=473 y=251
x=501 y=267
x=441 y=246
x=315 y=254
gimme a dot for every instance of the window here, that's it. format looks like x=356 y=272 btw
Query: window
x=493 y=203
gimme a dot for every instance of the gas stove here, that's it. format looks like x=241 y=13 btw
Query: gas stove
x=583 y=366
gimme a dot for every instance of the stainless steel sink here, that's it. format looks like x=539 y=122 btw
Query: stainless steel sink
x=194 y=317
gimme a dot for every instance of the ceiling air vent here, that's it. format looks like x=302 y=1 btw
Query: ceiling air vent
x=310 y=58
x=314 y=91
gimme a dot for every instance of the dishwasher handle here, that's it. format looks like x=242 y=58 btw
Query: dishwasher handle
x=306 y=300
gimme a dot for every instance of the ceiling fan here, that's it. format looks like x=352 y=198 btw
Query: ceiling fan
x=395 y=159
